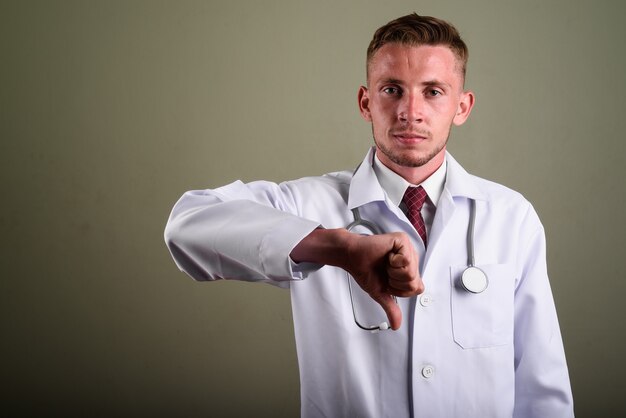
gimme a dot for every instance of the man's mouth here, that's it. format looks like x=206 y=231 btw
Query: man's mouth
x=410 y=137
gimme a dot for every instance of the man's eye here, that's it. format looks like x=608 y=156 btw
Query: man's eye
x=434 y=92
x=391 y=90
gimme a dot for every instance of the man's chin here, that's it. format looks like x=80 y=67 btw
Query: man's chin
x=408 y=159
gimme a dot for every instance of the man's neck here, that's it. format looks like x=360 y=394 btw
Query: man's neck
x=395 y=186
x=414 y=175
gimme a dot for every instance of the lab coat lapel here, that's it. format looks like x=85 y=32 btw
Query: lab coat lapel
x=459 y=185
x=445 y=211
x=365 y=190
x=364 y=187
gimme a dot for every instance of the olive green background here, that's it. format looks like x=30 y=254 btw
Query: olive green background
x=110 y=110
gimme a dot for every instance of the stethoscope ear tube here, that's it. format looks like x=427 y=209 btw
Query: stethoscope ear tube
x=375 y=230
x=473 y=279
x=358 y=221
x=372 y=328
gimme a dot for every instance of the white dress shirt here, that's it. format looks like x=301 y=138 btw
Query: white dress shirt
x=395 y=186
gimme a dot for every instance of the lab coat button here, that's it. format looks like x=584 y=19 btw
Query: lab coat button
x=428 y=371
x=426 y=300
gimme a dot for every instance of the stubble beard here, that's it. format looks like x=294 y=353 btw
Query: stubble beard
x=411 y=161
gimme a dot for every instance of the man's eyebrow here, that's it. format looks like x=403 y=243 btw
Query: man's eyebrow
x=427 y=83
x=430 y=83
x=391 y=81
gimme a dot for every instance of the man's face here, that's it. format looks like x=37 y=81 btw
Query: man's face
x=414 y=95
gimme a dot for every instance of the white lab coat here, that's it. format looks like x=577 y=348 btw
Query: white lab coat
x=494 y=354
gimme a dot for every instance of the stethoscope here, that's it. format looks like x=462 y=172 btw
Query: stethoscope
x=473 y=279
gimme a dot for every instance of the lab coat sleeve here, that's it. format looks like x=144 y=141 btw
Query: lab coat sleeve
x=542 y=387
x=240 y=232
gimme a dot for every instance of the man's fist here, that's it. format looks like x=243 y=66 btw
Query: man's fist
x=383 y=265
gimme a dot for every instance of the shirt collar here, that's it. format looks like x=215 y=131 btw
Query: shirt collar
x=395 y=186
x=365 y=186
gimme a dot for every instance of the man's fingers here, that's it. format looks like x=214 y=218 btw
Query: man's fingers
x=402 y=272
x=406 y=289
x=405 y=281
x=413 y=291
x=398 y=260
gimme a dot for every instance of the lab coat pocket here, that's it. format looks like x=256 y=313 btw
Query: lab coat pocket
x=483 y=319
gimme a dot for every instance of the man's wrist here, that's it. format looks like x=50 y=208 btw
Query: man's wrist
x=323 y=246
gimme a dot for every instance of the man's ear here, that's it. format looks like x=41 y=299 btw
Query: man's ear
x=465 y=108
x=364 y=103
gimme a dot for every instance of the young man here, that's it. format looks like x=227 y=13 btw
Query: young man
x=487 y=347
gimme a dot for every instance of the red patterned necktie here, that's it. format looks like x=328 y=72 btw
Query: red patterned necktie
x=414 y=199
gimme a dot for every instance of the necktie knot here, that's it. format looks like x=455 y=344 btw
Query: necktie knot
x=414 y=199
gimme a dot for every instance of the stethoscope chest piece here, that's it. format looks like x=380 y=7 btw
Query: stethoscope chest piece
x=474 y=280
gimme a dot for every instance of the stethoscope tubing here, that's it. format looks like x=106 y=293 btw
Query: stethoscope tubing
x=473 y=279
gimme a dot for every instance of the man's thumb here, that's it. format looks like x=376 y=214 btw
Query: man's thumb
x=391 y=308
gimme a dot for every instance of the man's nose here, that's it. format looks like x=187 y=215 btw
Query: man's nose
x=411 y=108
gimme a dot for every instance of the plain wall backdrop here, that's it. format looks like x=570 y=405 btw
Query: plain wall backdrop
x=110 y=110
